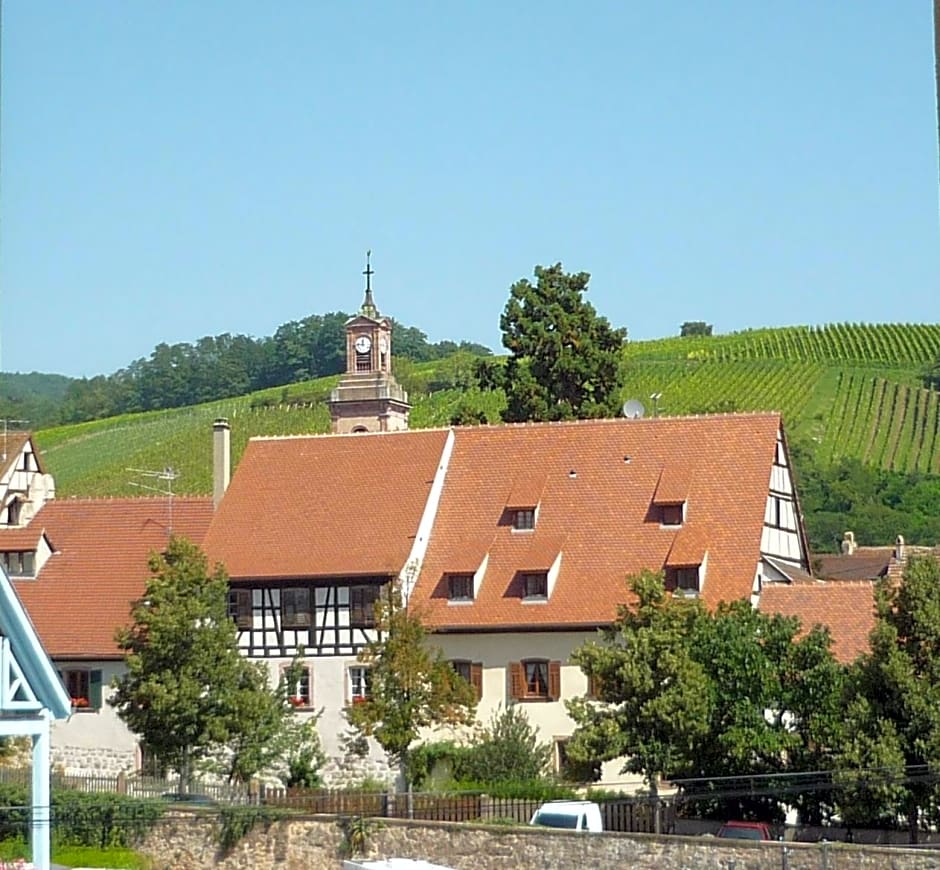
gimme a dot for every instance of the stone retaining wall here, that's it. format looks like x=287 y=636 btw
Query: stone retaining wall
x=190 y=842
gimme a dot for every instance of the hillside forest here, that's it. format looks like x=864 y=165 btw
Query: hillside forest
x=861 y=404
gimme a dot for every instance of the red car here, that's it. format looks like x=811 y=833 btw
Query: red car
x=745 y=831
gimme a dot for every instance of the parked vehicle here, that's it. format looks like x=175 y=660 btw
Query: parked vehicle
x=573 y=815
x=745 y=831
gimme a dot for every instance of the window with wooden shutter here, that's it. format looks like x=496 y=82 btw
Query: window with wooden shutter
x=84 y=688
x=239 y=607
x=516 y=681
x=472 y=672
x=295 y=607
x=476 y=678
x=554 y=681
x=362 y=606
x=94 y=689
x=535 y=680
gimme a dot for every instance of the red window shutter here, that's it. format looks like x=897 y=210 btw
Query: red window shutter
x=516 y=681
x=476 y=678
x=554 y=680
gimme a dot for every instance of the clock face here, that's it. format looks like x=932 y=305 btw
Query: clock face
x=363 y=344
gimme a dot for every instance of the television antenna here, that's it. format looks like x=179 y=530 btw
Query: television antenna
x=633 y=409
x=168 y=474
x=654 y=398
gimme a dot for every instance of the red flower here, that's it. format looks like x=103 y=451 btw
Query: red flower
x=297 y=700
x=79 y=702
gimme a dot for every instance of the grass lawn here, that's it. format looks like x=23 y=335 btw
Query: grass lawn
x=79 y=856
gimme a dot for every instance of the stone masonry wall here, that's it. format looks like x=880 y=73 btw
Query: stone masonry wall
x=101 y=761
x=190 y=842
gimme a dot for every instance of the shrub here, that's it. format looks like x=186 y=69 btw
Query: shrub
x=101 y=819
x=508 y=751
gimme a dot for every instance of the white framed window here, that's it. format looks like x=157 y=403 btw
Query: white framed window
x=359 y=680
x=300 y=688
x=523 y=520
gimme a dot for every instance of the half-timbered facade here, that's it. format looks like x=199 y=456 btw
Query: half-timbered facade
x=514 y=542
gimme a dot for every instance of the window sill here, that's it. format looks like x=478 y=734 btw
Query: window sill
x=529 y=699
x=535 y=599
x=460 y=601
x=85 y=709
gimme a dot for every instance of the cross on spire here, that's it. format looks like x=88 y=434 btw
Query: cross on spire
x=368 y=305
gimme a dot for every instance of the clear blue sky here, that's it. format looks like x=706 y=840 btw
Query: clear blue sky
x=177 y=169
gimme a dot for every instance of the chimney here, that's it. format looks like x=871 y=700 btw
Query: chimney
x=848 y=544
x=221 y=459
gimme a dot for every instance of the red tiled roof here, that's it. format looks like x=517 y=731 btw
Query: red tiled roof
x=526 y=489
x=673 y=486
x=867 y=563
x=846 y=608
x=325 y=505
x=85 y=589
x=689 y=548
x=11 y=445
x=25 y=538
x=600 y=480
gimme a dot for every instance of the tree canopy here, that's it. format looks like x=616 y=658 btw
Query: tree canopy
x=565 y=359
x=684 y=693
x=188 y=692
x=893 y=705
x=411 y=685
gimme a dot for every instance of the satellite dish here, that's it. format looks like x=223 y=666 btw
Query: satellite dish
x=633 y=409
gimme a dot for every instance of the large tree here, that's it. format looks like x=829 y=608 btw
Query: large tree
x=776 y=696
x=894 y=704
x=684 y=693
x=565 y=359
x=411 y=685
x=651 y=702
x=188 y=692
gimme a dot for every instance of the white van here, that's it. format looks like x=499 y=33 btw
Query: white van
x=573 y=815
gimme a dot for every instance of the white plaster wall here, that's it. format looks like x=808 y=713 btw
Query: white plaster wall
x=550 y=718
x=329 y=694
x=94 y=741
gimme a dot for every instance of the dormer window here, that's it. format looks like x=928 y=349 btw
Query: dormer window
x=684 y=580
x=460 y=587
x=671 y=514
x=535 y=585
x=523 y=520
x=20 y=563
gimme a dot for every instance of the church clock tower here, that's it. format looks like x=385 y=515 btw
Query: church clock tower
x=368 y=398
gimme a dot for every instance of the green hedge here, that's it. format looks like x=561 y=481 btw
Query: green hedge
x=80 y=818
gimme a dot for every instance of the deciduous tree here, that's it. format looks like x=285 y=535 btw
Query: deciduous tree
x=895 y=702
x=652 y=703
x=411 y=685
x=188 y=692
